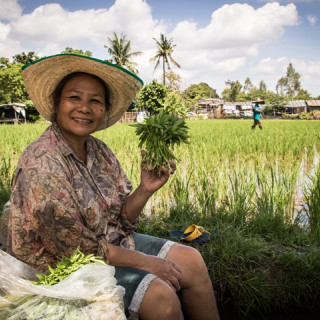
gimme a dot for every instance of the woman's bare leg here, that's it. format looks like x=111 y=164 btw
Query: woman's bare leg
x=197 y=295
x=160 y=302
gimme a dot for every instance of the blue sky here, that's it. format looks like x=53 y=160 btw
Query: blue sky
x=216 y=41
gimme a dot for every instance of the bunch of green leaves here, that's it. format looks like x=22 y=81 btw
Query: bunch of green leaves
x=159 y=134
x=66 y=266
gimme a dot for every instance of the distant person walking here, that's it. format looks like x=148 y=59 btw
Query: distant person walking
x=257 y=113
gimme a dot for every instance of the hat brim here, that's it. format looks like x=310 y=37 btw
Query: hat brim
x=258 y=101
x=42 y=76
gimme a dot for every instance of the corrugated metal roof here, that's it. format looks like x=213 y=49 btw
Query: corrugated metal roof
x=210 y=101
x=313 y=103
x=297 y=104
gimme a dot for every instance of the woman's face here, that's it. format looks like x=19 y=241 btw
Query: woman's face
x=81 y=107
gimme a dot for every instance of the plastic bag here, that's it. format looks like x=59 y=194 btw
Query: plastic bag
x=88 y=293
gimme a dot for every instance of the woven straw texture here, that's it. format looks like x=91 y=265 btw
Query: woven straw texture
x=42 y=76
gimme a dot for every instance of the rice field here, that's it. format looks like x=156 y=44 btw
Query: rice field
x=225 y=161
x=258 y=191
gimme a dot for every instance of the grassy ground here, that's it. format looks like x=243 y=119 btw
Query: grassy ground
x=257 y=191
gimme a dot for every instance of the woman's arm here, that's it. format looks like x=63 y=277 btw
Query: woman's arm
x=150 y=183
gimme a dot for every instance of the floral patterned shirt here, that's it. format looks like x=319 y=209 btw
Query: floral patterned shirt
x=59 y=203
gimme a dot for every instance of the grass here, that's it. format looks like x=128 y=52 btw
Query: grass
x=240 y=184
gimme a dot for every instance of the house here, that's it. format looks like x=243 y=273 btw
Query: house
x=13 y=113
x=296 y=106
x=313 y=105
x=241 y=109
x=209 y=108
x=231 y=109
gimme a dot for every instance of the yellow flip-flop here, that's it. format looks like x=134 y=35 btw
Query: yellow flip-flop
x=193 y=234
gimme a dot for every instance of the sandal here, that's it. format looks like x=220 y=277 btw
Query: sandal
x=193 y=234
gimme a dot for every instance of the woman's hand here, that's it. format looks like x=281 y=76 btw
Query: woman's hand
x=151 y=182
x=166 y=270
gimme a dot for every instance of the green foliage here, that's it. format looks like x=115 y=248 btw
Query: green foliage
x=290 y=84
x=173 y=81
x=12 y=88
x=231 y=93
x=159 y=134
x=174 y=104
x=65 y=267
x=152 y=97
x=164 y=52
x=201 y=90
x=25 y=58
x=312 y=196
x=119 y=49
x=77 y=51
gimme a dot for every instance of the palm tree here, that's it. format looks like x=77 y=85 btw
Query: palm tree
x=165 y=49
x=119 y=49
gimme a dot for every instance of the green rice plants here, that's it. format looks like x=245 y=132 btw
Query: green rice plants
x=237 y=205
x=312 y=196
x=5 y=181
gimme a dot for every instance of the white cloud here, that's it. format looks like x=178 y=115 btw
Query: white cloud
x=312 y=19
x=50 y=27
x=227 y=48
x=10 y=9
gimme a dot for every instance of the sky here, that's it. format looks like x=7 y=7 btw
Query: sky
x=215 y=41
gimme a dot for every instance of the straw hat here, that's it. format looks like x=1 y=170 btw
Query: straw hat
x=43 y=75
x=259 y=101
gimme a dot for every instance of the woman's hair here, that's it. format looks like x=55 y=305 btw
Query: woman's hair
x=56 y=94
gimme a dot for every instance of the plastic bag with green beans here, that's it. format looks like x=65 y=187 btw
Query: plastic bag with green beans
x=159 y=134
x=90 y=291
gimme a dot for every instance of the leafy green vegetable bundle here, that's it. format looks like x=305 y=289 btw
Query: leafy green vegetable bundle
x=80 y=287
x=159 y=134
x=65 y=267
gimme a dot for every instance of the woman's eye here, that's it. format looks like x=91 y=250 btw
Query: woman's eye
x=95 y=101
x=74 y=98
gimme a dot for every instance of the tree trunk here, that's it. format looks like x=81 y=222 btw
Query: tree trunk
x=164 y=71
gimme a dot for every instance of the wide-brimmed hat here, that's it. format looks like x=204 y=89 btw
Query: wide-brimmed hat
x=259 y=101
x=42 y=76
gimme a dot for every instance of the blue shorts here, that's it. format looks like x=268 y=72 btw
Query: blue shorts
x=135 y=281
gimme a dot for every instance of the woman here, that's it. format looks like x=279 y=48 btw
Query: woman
x=69 y=190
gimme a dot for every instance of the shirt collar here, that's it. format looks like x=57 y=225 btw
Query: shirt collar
x=64 y=146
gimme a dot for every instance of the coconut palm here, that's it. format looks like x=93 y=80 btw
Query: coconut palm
x=119 y=49
x=165 y=49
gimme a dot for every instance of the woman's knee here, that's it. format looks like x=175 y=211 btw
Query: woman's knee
x=160 y=302
x=188 y=257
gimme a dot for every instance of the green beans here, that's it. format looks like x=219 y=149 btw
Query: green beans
x=159 y=134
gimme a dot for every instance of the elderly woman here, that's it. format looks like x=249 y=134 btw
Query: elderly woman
x=69 y=190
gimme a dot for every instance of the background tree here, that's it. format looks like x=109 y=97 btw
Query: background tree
x=275 y=103
x=120 y=51
x=152 y=97
x=12 y=88
x=303 y=95
x=77 y=51
x=248 y=86
x=231 y=93
x=290 y=84
x=164 y=53
x=262 y=86
x=200 y=91
x=173 y=103
x=173 y=81
x=25 y=58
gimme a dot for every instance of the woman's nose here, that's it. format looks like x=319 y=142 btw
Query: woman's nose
x=84 y=106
